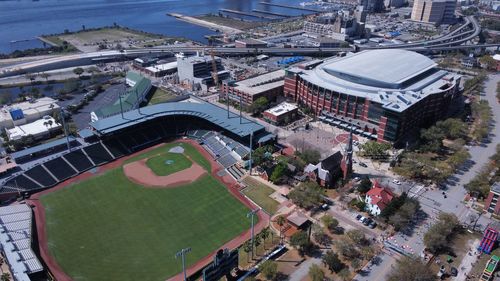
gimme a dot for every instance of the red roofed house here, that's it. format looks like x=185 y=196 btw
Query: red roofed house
x=377 y=199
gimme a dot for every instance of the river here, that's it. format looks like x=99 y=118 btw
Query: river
x=24 y=20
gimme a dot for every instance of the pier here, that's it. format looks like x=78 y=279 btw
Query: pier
x=291 y=7
x=270 y=13
x=207 y=24
x=245 y=14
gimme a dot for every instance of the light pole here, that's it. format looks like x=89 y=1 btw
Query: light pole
x=62 y=115
x=182 y=254
x=251 y=215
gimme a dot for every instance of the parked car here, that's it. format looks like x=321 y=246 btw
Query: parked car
x=372 y=225
x=396 y=181
x=363 y=165
x=453 y=271
x=324 y=207
x=357 y=179
x=367 y=221
x=358 y=217
x=362 y=219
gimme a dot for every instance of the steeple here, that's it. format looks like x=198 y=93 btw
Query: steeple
x=347 y=160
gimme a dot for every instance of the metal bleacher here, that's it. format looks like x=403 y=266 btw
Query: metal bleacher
x=60 y=169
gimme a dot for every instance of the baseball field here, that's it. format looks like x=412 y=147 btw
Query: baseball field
x=109 y=227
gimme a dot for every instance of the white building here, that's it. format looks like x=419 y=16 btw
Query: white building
x=26 y=112
x=377 y=199
x=39 y=129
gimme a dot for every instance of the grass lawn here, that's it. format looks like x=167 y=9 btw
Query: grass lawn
x=160 y=96
x=108 y=228
x=159 y=166
x=259 y=193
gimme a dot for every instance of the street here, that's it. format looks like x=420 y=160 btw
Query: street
x=433 y=201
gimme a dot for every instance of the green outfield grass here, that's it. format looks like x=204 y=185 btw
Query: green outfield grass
x=159 y=166
x=108 y=228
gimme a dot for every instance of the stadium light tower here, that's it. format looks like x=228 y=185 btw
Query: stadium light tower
x=251 y=215
x=62 y=116
x=182 y=254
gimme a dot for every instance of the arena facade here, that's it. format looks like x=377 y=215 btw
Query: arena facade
x=382 y=94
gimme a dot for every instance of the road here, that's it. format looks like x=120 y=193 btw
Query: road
x=433 y=202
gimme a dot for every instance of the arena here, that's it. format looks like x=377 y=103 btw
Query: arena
x=382 y=94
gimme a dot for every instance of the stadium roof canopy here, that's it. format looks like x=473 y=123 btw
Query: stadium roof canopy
x=201 y=109
x=396 y=79
x=380 y=68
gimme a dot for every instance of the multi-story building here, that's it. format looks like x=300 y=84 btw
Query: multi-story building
x=197 y=71
x=372 y=6
x=26 y=112
x=491 y=203
x=268 y=85
x=383 y=94
x=435 y=11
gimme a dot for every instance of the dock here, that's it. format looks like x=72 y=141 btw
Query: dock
x=291 y=7
x=207 y=24
x=270 y=13
x=46 y=41
x=245 y=14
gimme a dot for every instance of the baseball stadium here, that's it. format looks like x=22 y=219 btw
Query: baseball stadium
x=119 y=201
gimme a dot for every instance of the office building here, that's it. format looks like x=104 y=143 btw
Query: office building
x=434 y=11
x=197 y=71
x=26 y=112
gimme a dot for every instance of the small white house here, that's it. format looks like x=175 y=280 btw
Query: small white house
x=377 y=199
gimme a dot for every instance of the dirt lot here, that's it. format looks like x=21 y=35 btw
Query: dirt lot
x=88 y=41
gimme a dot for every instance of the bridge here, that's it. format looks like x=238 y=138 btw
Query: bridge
x=452 y=41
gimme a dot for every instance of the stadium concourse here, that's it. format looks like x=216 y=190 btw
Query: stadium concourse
x=226 y=137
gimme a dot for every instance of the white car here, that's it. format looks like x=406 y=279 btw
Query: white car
x=396 y=182
x=356 y=179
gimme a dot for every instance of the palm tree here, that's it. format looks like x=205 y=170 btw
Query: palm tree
x=265 y=234
x=280 y=220
x=5 y=277
x=247 y=248
x=256 y=242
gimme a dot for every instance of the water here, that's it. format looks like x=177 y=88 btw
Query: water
x=23 y=20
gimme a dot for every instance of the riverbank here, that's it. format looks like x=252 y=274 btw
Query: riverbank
x=207 y=24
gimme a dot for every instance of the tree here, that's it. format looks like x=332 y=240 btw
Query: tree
x=300 y=241
x=437 y=238
x=404 y=214
x=345 y=274
x=367 y=252
x=356 y=264
x=280 y=221
x=247 y=248
x=375 y=150
x=488 y=61
x=365 y=185
x=321 y=237
x=332 y=261
x=5 y=277
x=347 y=248
x=307 y=195
x=261 y=154
x=259 y=105
x=328 y=221
x=411 y=269
x=309 y=155
x=256 y=241
x=78 y=71
x=269 y=269
x=45 y=75
x=357 y=237
x=265 y=234
x=316 y=273
x=279 y=172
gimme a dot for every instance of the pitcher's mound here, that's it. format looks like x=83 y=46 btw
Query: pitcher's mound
x=140 y=173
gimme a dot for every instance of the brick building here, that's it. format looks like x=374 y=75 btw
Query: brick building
x=491 y=203
x=283 y=113
x=382 y=94
x=268 y=85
